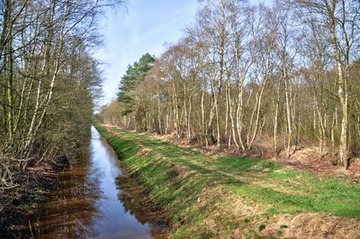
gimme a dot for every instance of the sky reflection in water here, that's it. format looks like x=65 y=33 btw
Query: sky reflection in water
x=96 y=200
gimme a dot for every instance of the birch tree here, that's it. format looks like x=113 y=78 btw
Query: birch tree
x=215 y=21
x=34 y=60
x=341 y=20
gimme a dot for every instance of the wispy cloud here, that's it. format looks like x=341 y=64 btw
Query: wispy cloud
x=167 y=24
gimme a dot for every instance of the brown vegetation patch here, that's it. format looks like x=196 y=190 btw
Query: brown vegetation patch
x=307 y=159
x=303 y=158
x=19 y=204
x=143 y=151
x=227 y=215
x=312 y=225
x=250 y=223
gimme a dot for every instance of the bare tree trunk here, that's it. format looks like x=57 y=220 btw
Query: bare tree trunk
x=332 y=132
x=288 y=96
x=239 y=114
x=189 y=131
x=258 y=109
x=167 y=123
x=6 y=55
x=159 y=111
x=218 y=133
x=176 y=111
x=209 y=129
x=321 y=128
x=202 y=105
x=276 y=122
x=343 y=87
x=9 y=88
x=232 y=122
x=215 y=92
x=227 y=112
x=232 y=126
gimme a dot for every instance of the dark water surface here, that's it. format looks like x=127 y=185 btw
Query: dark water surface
x=96 y=200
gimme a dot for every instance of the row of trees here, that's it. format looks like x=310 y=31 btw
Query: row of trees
x=287 y=73
x=48 y=79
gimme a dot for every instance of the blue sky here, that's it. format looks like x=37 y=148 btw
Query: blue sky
x=145 y=27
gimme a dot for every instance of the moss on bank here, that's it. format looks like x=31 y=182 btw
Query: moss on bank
x=222 y=197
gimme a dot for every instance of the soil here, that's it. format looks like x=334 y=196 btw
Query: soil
x=18 y=205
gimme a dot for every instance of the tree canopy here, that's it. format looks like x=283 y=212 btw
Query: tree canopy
x=134 y=75
x=274 y=77
x=48 y=80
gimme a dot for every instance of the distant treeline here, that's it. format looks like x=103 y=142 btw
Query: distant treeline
x=243 y=76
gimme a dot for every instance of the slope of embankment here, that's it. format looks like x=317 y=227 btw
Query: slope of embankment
x=18 y=205
x=212 y=196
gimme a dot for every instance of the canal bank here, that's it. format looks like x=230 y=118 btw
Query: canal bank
x=221 y=196
x=94 y=198
x=18 y=205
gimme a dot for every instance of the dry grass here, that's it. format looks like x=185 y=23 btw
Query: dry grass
x=312 y=225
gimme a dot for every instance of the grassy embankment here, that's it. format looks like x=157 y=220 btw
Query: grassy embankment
x=210 y=196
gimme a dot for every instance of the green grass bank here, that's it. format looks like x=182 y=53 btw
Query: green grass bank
x=212 y=196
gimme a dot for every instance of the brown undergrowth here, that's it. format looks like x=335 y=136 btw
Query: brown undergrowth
x=305 y=158
x=312 y=225
x=18 y=205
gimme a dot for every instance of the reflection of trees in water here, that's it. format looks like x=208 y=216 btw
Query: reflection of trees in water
x=137 y=203
x=71 y=210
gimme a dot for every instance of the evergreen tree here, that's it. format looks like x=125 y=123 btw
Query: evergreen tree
x=134 y=75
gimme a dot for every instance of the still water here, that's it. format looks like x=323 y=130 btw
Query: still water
x=97 y=200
